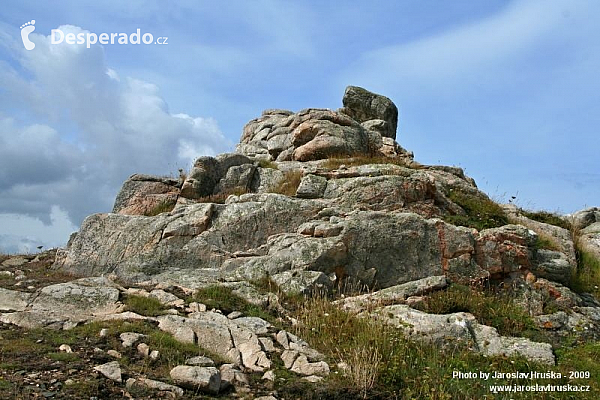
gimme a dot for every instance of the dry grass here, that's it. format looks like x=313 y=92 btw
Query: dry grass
x=336 y=162
x=220 y=198
x=289 y=183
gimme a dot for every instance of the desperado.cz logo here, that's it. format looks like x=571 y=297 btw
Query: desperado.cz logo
x=57 y=36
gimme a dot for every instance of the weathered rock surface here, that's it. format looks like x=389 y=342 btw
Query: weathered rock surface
x=111 y=370
x=141 y=194
x=376 y=112
x=145 y=383
x=204 y=379
x=463 y=328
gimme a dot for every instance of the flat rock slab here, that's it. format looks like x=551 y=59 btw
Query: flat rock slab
x=13 y=300
x=204 y=379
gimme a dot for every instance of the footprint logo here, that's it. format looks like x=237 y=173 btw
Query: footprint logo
x=26 y=29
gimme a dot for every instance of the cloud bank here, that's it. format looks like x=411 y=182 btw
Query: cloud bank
x=98 y=128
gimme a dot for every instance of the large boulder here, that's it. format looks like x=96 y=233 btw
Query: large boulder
x=143 y=194
x=376 y=112
x=366 y=125
x=212 y=175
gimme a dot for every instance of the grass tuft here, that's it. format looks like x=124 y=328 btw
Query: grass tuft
x=289 y=183
x=547 y=218
x=220 y=198
x=147 y=306
x=587 y=277
x=162 y=207
x=494 y=309
x=481 y=212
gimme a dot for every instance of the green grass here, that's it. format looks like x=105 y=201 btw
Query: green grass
x=385 y=365
x=547 y=218
x=222 y=298
x=162 y=207
x=480 y=211
x=546 y=243
x=587 y=277
x=147 y=306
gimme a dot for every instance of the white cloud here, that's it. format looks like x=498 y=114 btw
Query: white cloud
x=98 y=128
x=27 y=233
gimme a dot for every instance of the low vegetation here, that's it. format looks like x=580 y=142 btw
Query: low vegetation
x=224 y=299
x=547 y=218
x=289 y=183
x=162 y=207
x=480 y=211
x=382 y=364
x=220 y=198
x=336 y=162
x=142 y=305
x=267 y=164
x=587 y=277
x=489 y=308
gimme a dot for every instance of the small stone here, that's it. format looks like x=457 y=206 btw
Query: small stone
x=205 y=379
x=152 y=384
x=66 y=348
x=67 y=325
x=129 y=338
x=111 y=370
x=98 y=350
x=69 y=382
x=143 y=349
x=114 y=353
x=269 y=376
x=282 y=339
x=196 y=307
x=313 y=378
x=303 y=367
x=154 y=355
x=103 y=332
x=288 y=357
x=267 y=344
x=234 y=314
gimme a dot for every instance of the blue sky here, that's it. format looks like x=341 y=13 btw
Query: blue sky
x=508 y=90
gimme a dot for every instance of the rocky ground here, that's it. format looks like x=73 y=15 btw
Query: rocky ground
x=318 y=261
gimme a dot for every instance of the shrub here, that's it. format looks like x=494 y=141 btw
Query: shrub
x=481 y=212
